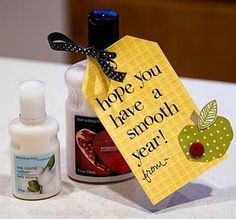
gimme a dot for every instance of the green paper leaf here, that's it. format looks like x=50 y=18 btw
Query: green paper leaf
x=33 y=186
x=51 y=162
x=207 y=115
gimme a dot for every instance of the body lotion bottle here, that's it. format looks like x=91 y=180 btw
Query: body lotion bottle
x=35 y=151
x=92 y=156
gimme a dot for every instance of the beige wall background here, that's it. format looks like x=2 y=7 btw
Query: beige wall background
x=25 y=24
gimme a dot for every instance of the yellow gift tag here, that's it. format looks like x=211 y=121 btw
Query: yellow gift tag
x=145 y=114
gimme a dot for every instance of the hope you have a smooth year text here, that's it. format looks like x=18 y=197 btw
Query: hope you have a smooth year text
x=166 y=110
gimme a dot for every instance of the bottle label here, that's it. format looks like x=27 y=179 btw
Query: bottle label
x=35 y=174
x=95 y=152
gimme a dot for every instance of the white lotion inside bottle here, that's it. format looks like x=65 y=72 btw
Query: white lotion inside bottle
x=35 y=149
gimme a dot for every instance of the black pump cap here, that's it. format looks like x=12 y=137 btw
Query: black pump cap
x=103 y=28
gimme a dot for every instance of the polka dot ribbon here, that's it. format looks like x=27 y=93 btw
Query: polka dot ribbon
x=60 y=42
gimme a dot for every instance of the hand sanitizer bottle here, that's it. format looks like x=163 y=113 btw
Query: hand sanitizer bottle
x=35 y=150
x=91 y=154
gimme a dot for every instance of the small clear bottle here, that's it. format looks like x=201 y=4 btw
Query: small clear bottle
x=35 y=148
x=91 y=154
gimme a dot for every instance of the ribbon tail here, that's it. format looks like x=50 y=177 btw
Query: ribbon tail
x=60 y=42
x=56 y=36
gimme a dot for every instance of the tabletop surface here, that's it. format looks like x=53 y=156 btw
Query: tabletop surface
x=212 y=195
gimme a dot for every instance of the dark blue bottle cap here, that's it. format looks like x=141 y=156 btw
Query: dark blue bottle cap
x=103 y=28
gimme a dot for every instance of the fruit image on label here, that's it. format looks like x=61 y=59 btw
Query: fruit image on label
x=209 y=139
x=87 y=157
x=106 y=150
x=96 y=153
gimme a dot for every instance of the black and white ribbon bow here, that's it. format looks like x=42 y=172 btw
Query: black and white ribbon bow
x=60 y=42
